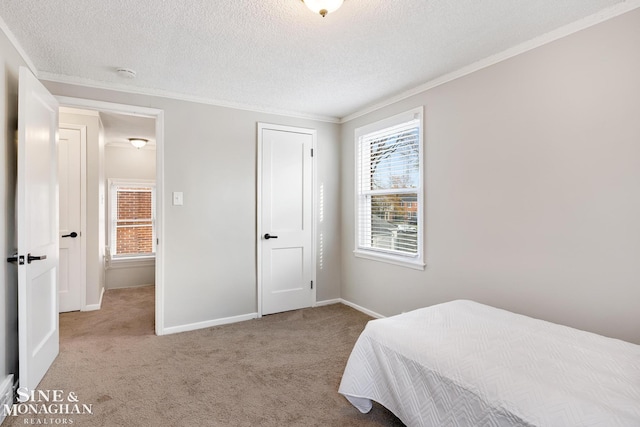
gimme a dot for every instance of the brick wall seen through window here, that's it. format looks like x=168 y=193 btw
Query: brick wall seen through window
x=134 y=221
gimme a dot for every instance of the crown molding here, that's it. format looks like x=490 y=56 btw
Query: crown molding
x=566 y=30
x=16 y=44
x=58 y=78
x=561 y=32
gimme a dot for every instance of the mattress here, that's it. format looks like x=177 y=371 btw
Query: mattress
x=467 y=364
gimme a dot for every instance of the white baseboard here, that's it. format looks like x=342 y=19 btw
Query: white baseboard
x=350 y=304
x=327 y=302
x=362 y=309
x=251 y=316
x=6 y=395
x=209 y=323
x=94 y=307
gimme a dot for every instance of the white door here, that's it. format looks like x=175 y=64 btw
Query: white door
x=70 y=187
x=285 y=241
x=37 y=223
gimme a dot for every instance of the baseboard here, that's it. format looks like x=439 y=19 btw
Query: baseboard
x=94 y=307
x=209 y=323
x=6 y=396
x=129 y=287
x=251 y=316
x=362 y=309
x=327 y=302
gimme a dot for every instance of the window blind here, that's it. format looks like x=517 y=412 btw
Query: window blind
x=389 y=185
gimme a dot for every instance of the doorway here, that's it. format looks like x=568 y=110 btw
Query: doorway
x=130 y=193
x=123 y=171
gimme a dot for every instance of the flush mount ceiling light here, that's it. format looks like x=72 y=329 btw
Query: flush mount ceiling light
x=138 y=142
x=323 y=6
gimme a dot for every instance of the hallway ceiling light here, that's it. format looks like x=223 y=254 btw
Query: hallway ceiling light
x=323 y=6
x=138 y=142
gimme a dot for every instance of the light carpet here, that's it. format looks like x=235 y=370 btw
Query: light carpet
x=280 y=370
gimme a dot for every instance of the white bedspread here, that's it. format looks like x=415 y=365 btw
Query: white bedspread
x=466 y=364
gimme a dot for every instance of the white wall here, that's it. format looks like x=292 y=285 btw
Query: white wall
x=129 y=163
x=532 y=188
x=10 y=60
x=95 y=238
x=210 y=251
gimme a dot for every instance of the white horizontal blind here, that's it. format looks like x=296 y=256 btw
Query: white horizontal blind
x=389 y=189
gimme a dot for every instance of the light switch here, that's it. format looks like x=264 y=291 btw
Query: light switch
x=177 y=198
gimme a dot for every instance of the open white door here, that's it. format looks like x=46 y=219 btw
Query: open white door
x=285 y=241
x=37 y=224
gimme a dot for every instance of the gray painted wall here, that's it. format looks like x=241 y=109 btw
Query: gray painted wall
x=210 y=252
x=532 y=174
x=129 y=162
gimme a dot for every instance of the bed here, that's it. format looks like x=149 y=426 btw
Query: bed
x=463 y=363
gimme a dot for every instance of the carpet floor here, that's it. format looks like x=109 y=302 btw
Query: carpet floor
x=280 y=370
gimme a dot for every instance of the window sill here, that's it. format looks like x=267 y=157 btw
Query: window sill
x=415 y=264
x=134 y=261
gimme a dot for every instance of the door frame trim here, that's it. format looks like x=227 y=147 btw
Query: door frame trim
x=158 y=115
x=314 y=203
x=83 y=208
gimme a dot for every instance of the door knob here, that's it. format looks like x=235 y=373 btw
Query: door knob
x=16 y=258
x=35 y=258
x=73 y=235
x=268 y=236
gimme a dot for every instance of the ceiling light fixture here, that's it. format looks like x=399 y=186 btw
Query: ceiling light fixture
x=138 y=142
x=323 y=6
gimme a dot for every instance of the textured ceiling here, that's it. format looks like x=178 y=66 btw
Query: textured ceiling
x=276 y=55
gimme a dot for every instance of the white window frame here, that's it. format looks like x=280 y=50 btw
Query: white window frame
x=406 y=260
x=112 y=183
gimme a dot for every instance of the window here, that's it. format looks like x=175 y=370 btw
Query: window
x=389 y=195
x=132 y=219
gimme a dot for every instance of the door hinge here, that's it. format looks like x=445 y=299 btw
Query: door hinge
x=312 y=284
x=157 y=241
x=312 y=152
